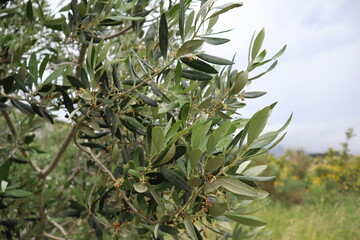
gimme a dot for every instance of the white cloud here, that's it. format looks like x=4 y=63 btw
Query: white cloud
x=318 y=77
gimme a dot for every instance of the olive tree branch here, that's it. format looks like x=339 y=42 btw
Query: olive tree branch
x=61 y=151
x=58 y=226
x=123 y=31
x=81 y=59
x=48 y=235
x=15 y=135
x=108 y=172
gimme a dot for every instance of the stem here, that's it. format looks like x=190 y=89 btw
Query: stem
x=118 y=33
x=81 y=59
x=15 y=135
x=108 y=172
x=58 y=226
x=41 y=11
x=48 y=235
x=61 y=151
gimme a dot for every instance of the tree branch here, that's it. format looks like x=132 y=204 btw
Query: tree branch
x=15 y=135
x=48 y=235
x=118 y=33
x=58 y=226
x=81 y=59
x=61 y=151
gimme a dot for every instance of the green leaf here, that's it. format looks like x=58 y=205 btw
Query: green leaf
x=261 y=74
x=257 y=124
x=226 y=8
x=140 y=187
x=212 y=186
x=189 y=47
x=198 y=135
x=246 y=220
x=148 y=100
x=175 y=179
x=255 y=179
x=277 y=55
x=252 y=94
x=102 y=54
x=75 y=82
x=163 y=36
x=214 y=59
x=178 y=73
x=155 y=195
x=239 y=82
x=84 y=78
x=213 y=164
x=221 y=131
x=4 y=170
x=182 y=20
x=215 y=41
x=268 y=137
x=199 y=65
x=189 y=23
x=169 y=155
x=189 y=226
x=211 y=24
x=93 y=145
x=43 y=65
x=17 y=193
x=33 y=66
x=55 y=74
x=236 y=186
x=132 y=121
x=217 y=209
x=211 y=143
x=258 y=43
x=254 y=171
x=243 y=166
x=194 y=157
x=157 y=138
x=169 y=229
x=115 y=154
x=203 y=9
x=22 y=106
x=111 y=120
x=29 y=11
x=195 y=75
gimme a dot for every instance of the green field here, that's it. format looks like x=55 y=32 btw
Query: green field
x=338 y=219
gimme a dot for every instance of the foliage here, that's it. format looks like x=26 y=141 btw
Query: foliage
x=152 y=146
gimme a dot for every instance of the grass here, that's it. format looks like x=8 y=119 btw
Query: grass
x=338 y=219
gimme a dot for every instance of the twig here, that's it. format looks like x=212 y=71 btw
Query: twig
x=106 y=170
x=58 y=226
x=81 y=59
x=118 y=33
x=45 y=234
x=41 y=11
x=61 y=64
x=15 y=135
x=60 y=152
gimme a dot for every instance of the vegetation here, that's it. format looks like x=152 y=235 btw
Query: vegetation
x=152 y=145
x=314 y=196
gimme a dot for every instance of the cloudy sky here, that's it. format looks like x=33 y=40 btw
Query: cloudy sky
x=318 y=77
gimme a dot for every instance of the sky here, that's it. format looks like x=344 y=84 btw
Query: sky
x=318 y=77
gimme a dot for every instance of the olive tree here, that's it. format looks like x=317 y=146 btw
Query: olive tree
x=153 y=144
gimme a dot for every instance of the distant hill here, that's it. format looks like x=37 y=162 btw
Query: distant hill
x=278 y=151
